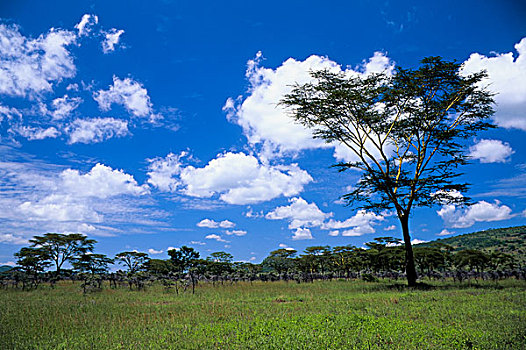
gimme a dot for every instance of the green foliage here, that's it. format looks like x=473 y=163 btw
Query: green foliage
x=133 y=260
x=511 y=240
x=61 y=248
x=183 y=259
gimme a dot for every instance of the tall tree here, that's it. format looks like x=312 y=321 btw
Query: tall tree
x=61 y=247
x=32 y=260
x=405 y=131
x=183 y=258
x=134 y=261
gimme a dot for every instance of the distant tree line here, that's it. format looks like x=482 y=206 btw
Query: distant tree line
x=382 y=258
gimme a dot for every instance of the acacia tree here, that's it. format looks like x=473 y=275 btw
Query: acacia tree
x=134 y=261
x=32 y=262
x=405 y=131
x=61 y=247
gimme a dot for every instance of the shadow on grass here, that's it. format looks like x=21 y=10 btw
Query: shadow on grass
x=484 y=285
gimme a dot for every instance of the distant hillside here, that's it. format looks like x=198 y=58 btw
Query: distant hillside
x=511 y=240
x=5 y=268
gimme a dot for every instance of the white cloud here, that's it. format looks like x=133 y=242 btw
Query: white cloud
x=111 y=38
x=162 y=172
x=236 y=232
x=197 y=243
x=9 y=238
x=491 y=151
x=417 y=241
x=236 y=177
x=390 y=228
x=86 y=24
x=39 y=197
x=208 y=223
x=58 y=208
x=213 y=224
x=29 y=66
x=300 y=213
x=154 y=252
x=101 y=182
x=478 y=212
x=64 y=106
x=334 y=233
x=507 y=78
x=226 y=224
x=216 y=237
x=128 y=93
x=32 y=133
x=96 y=130
x=8 y=263
x=302 y=233
x=361 y=223
x=264 y=122
x=444 y=232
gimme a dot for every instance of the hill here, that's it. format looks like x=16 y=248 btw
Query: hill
x=4 y=268
x=510 y=240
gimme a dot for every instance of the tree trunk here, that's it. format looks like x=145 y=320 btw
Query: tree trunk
x=410 y=269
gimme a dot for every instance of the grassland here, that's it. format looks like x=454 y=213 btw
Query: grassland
x=278 y=315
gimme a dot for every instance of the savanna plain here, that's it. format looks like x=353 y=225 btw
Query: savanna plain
x=338 y=314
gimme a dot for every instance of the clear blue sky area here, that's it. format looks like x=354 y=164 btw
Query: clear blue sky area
x=151 y=125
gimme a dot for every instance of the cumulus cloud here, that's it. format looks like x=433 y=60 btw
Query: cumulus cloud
x=30 y=66
x=96 y=130
x=299 y=213
x=208 y=223
x=59 y=208
x=64 y=106
x=216 y=237
x=506 y=78
x=213 y=224
x=237 y=178
x=35 y=133
x=361 y=223
x=264 y=122
x=303 y=215
x=444 y=232
x=478 y=212
x=86 y=24
x=491 y=151
x=39 y=197
x=302 y=233
x=101 y=182
x=163 y=171
x=111 y=38
x=236 y=232
x=155 y=252
x=128 y=93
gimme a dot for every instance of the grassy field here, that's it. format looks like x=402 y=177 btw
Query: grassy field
x=278 y=315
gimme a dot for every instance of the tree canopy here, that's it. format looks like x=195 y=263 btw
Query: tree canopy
x=404 y=130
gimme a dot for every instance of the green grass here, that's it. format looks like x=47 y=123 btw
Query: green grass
x=279 y=315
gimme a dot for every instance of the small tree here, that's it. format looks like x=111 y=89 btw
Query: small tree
x=280 y=260
x=92 y=267
x=404 y=131
x=62 y=248
x=32 y=262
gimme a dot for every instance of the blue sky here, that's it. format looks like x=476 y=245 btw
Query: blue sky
x=154 y=125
